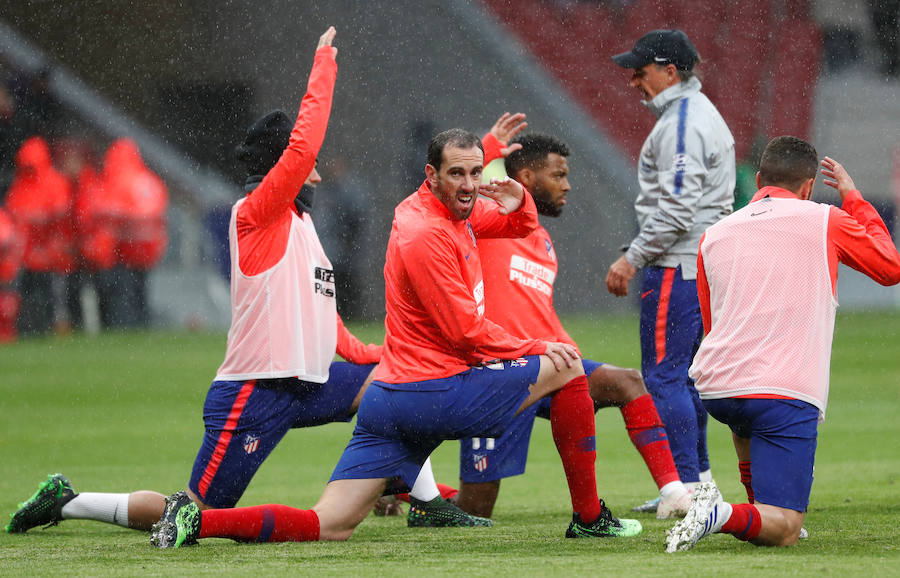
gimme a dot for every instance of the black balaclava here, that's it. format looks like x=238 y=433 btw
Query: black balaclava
x=262 y=147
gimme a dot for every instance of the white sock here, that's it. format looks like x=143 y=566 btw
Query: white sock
x=706 y=476
x=425 y=488
x=690 y=485
x=723 y=512
x=672 y=489
x=109 y=508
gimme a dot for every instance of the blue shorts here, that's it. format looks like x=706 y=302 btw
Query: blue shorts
x=397 y=429
x=782 y=435
x=245 y=420
x=488 y=459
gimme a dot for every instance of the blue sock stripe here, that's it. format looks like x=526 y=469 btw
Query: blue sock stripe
x=649 y=436
x=588 y=444
x=268 y=526
x=747 y=528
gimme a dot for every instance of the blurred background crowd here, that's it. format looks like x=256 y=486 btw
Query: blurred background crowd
x=80 y=227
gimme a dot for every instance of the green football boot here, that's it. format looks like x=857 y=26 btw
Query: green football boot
x=179 y=525
x=44 y=508
x=439 y=513
x=605 y=526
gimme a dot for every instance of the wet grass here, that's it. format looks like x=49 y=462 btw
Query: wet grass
x=121 y=412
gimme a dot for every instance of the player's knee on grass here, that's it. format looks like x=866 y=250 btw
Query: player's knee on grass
x=611 y=385
x=780 y=526
x=479 y=498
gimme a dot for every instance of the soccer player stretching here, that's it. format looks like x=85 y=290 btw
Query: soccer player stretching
x=447 y=371
x=278 y=371
x=767 y=277
x=518 y=286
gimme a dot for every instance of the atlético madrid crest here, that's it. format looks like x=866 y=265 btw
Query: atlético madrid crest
x=251 y=443
x=481 y=462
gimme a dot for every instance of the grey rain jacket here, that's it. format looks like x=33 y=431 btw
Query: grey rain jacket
x=687 y=174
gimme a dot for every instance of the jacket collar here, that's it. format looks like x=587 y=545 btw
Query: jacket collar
x=775 y=193
x=661 y=102
x=434 y=205
x=252 y=182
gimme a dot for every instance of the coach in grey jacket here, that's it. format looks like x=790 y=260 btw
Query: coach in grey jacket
x=686 y=174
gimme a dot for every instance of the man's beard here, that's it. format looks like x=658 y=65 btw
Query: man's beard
x=547 y=208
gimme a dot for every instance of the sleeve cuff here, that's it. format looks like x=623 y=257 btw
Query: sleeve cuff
x=852 y=198
x=492 y=148
x=634 y=258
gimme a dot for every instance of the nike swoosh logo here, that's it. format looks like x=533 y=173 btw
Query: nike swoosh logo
x=645 y=293
x=760 y=213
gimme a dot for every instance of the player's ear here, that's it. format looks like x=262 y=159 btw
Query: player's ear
x=525 y=178
x=806 y=189
x=672 y=73
x=758 y=181
x=431 y=175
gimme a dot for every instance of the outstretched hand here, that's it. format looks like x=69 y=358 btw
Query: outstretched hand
x=327 y=38
x=837 y=177
x=507 y=193
x=506 y=128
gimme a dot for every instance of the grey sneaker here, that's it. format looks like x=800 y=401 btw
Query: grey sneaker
x=44 y=508
x=648 y=506
x=179 y=525
x=605 y=526
x=439 y=513
x=703 y=518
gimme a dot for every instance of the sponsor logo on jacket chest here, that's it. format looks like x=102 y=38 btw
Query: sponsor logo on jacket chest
x=324 y=284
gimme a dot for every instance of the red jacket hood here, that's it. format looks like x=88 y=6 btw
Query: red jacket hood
x=34 y=155
x=123 y=155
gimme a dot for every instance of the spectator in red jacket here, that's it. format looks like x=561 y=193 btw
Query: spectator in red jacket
x=140 y=201
x=11 y=249
x=93 y=239
x=38 y=201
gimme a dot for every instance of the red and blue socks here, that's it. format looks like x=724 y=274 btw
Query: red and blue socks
x=269 y=523
x=572 y=425
x=744 y=523
x=648 y=434
x=744 y=467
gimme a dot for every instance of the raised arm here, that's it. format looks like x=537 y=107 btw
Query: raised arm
x=504 y=130
x=857 y=235
x=276 y=192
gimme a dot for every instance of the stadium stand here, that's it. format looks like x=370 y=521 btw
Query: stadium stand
x=750 y=72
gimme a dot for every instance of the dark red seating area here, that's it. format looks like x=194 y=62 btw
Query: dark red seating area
x=760 y=59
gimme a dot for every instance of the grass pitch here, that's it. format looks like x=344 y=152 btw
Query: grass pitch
x=122 y=412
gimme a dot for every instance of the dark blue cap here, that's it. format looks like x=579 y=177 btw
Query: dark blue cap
x=662 y=47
